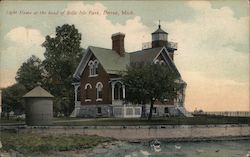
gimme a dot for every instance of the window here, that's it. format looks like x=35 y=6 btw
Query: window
x=91 y=68
x=156 y=61
x=162 y=62
x=93 y=65
x=99 y=87
x=99 y=110
x=87 y=91
x=166 y=110
x=118 y=91
x=154 y=110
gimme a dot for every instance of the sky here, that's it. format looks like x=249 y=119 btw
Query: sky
x=213 y=40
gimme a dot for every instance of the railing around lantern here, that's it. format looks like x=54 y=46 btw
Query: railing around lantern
x=146 y=45
x=170 y=45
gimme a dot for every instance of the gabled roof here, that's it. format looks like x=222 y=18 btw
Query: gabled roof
x=146 y=55
x=170 y=61
x=113 y=63
x=38 y=92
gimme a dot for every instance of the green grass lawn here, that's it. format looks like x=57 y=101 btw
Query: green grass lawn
x=155 y=121
x=11 y=121
x=27 y=143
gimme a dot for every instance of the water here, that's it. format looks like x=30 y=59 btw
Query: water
x=178 y=149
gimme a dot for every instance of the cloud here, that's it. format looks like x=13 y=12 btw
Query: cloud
x=200 y=5
x=25 y=42
x=210 y=57
x=25 y=35
x=211 y=41
x=97 y=29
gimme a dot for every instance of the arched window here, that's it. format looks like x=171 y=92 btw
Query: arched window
x=118 y=91
x=99 y=87
x=93 y=65
x=91 y=68
x=87 y=92
x=156 y=61
x=96 y=67
x=162 y=62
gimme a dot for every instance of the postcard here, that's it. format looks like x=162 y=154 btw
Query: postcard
x=120 y=69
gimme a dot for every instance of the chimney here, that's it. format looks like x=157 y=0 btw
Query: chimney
x=118 y=43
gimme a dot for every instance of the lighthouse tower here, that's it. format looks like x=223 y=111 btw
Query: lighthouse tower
x=160 y=39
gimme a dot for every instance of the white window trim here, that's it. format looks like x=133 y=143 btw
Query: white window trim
x=93 y=75
x=99 y=83
x=156 y=61
x=162 y=62
x=86 y=86
x=93 y=65
x=90 y=64
x=96 y=62
x=97 y=94
x=99 y=99
x=165 y=100
x=87 y=100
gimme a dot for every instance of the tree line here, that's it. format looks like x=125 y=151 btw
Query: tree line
x=55 y=73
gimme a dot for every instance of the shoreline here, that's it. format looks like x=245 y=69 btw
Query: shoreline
x=71 y=153
x=116 y=144
x=104 y=147
x=209 y=139
x=135 y=133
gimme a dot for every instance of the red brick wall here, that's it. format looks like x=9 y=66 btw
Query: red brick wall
x=102 y=77
x=118 y=44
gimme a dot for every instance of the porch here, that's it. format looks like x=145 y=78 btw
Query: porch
x=127 y=111
x=119 y=107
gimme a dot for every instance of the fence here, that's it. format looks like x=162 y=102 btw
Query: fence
x=170 y=45
x=226 y=114
x=127 y=111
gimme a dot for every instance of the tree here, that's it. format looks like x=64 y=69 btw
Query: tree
x=62 y=55
x=12 y=98
x=30 y=73
x=150 y=82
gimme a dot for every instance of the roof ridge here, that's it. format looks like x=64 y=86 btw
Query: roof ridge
x=146 y=49
x=99 y=47
x=104 y=48
x=38 y=91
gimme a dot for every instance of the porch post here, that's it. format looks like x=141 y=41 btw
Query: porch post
x=113 y=90
x=75 y=93
x=76 y=88
x=123 y=91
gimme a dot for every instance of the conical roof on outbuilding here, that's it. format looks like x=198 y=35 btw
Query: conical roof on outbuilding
x=38 y=92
